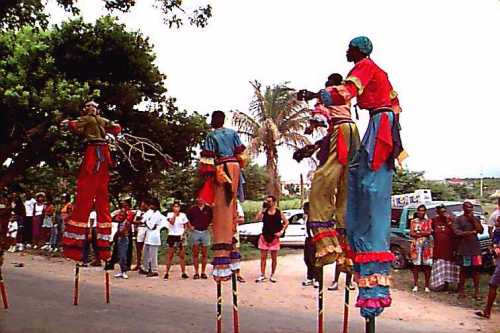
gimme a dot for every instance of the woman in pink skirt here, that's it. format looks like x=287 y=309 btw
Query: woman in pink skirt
x=274 y=224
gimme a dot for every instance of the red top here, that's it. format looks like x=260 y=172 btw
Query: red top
x=444 y=238
x=370 y=84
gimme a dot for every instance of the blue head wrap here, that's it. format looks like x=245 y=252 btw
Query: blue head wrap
x=364 y=44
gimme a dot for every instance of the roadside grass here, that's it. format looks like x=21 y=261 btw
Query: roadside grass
x=403 y=280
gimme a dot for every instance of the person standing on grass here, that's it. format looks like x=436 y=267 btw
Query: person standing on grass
x=176 y=221
x=444 y=268
x=495 y=278
x=467 y=227
x=274 y=224
x=494 y=216
x=38 y=213
x=421 y=247
x=154 y=221
x=200 y=217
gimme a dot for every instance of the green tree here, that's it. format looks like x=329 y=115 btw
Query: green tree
x=406 y=181
x=45 y=75
x=256 y=179
x=16 y=13
x=275 y=118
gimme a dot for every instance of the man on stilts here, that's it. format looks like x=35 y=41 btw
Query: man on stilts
x=370 y=175
x=221 y=161
x=91 y=186
x=328 y=197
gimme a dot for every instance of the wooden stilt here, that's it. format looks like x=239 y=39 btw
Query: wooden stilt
x=75 y=290
x=370 y=325
x=320 y=302
x=346 y=308
x=219 y=307
x=236 y=316
x=3 y=292
x=106 y=277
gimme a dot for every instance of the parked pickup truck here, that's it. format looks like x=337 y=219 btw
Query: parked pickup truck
x=400 y=229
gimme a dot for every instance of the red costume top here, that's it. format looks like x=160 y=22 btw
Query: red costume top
x=369 y=83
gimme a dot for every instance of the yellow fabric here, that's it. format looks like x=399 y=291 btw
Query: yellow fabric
x=357 y=83
x=374 y=280
x=328 y=196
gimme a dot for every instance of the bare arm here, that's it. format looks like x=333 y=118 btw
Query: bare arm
x=285 y=221
x=259 y=216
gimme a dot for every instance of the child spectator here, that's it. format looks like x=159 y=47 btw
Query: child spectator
x=12 y=233
x=154 y=221
x=48 y=222
x=175 y=240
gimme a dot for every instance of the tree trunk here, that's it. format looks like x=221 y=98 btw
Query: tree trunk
x=273 y=185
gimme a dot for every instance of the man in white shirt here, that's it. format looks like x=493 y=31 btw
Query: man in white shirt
x=176 y=222
x=29 y=205
x=154 y=221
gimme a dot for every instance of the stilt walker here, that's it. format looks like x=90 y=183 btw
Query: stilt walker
x=236 y=316
x=328 y=197
x=221 y=161
x=107 y=291
x=219 y=307
x=370 y=175
x=91 y=188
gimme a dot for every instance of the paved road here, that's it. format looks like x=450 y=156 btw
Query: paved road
x=41 y=302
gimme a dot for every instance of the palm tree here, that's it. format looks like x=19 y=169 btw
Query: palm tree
x=275 y=118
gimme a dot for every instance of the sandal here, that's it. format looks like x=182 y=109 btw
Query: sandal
x=482 y=314
x=240 y=279
x=204 y=276
x=196 y=276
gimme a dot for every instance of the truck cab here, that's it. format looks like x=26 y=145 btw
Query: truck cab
x=400 y=228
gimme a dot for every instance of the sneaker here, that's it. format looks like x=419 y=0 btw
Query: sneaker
x=273 y=279
x=118 y=275
x=152 y=274
x=28 y=246
x=334 y=286
x=316 y=284
x=12 y=249
x=415 y=289
x=261 y=278
x=45 y=247
x=55 y=249
x=427 y=290
x=124 y=276
x=184 y=276
x=351 y=287
x=165 y=277
x=307 y=282
x=20 y=247
x=143 y=272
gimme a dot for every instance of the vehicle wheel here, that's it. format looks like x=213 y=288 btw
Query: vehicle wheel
x=399 y=258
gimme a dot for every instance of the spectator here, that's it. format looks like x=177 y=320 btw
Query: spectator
x=20 y=214
x=421 y=247
x=154 y=222
x=200 y=217
x=444 y=268
x=274 y=224
x=466 y=227
x=121 y=239
x=493 y=218
x=240 y=219
x=12 y=229
x=176 y=222
x=495 y=278
x=38 y=211
x=66 y=210
x=140 y=232
x=90 y=240
x=48 y=222
x=29 y=206
x=312 y=277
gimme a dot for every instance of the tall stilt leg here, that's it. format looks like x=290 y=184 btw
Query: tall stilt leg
x=219 y=307
x=370 y=325
x=236 y=316
x=106 y=277
x=346 y=309
x=3 y=292
x=320 y=301
x=75 y=290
